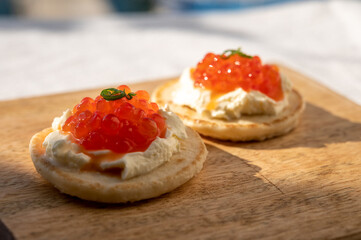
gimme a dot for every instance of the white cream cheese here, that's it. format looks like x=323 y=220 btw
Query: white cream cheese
x=62 y=151
x=230 y=105
x=58 y=122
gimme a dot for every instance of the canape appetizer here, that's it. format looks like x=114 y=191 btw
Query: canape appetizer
x=116 y=148
x=233 y=96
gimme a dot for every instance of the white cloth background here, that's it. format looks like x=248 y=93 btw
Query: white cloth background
x=321 y=39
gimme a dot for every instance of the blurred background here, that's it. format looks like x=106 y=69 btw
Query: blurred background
x=53 y=46
x=51 y=9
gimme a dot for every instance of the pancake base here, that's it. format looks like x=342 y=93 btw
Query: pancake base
x=100 y=187
x=247 y=128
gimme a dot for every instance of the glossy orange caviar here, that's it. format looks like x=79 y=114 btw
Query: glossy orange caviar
x=222 y=74
x=121 y=125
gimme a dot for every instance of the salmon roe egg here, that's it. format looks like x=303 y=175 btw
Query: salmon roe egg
x=222 y=74
x=122 y=126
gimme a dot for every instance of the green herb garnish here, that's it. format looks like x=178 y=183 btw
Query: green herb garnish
x=112 y=94
x=230 y=52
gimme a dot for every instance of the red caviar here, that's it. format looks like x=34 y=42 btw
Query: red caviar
x=223 y=74
x=122 y=125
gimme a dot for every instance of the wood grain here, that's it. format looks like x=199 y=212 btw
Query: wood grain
x=305 y=185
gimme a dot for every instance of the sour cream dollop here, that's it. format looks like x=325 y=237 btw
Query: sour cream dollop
x=231 y=105
x=62 y=151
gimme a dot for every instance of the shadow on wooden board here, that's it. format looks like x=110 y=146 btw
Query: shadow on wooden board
x=224 y=192
x=5 y=233
x=317 y=128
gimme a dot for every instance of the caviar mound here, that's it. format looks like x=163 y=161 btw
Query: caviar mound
x=122 y=126
x=222 y=74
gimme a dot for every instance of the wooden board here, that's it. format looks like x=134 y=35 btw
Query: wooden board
x=305 y=185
